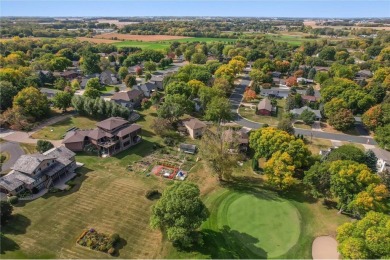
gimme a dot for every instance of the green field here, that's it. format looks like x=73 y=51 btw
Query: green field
x=160 y=45
x=57 y=130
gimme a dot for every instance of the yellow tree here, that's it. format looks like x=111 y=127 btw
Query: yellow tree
x=195 y=85
x=372 y=198
x=237 y=66
x=279 y=170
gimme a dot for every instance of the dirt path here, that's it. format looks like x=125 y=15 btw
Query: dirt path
x=325 y=247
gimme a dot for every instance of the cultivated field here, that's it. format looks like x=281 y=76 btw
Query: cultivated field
x=94 y=40
x=144 y=38
x=314 y=25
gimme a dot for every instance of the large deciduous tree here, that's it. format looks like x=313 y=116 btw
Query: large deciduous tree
x=7 y=93
x=368 y=238
x=62 y=100
x=179 y=212
x=32 y=102
x=218 y=110
x=342 y=120
x=90 y=63
x=279 y=170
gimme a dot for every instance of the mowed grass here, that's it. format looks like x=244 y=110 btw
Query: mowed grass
x=58 y=130
x=258 y=223
x=106 y=197
x=161 y=45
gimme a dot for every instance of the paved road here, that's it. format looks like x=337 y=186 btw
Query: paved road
x=14 y=150
x=236 y=98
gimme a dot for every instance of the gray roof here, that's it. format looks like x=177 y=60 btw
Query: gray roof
x=10 y=182
x=147 y=88
x=75 y=136
x=60 y=152
x=29 y=163
x=188 y=147
x=298 y=111
x=265 y=103
x=276 y=91
x=382 y=154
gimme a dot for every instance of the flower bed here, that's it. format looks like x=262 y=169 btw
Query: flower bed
x=98 y=241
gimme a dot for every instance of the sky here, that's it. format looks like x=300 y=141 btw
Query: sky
x=253 y=8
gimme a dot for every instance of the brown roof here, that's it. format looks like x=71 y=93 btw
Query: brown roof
x=127 y=130
x=265 y=104
x=97 y=133
x=127 y=95
x=309 y=98
x=112 y=123
x=241 y=136
x=194 y=123
x=75 y=136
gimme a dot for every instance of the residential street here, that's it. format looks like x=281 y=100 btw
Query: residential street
x=237 y=96
x=14 y=150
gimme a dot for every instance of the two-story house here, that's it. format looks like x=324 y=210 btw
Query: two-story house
x=34 y=172
x=110 y=137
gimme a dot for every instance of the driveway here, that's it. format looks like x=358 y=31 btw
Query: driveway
x=14 y=150
x=237 y=96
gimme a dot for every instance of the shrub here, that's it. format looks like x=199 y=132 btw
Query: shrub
x=169 y=141
x=116 y=89
x=114 y=238
x=152 y=194
x=13 y=200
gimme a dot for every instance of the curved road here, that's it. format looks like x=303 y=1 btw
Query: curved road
x=14 y=150
x=237 y=96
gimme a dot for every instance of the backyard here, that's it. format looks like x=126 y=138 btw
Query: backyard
x=250 y=113
x=58 y=130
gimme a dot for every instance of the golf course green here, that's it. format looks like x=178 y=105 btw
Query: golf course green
x=244 y=225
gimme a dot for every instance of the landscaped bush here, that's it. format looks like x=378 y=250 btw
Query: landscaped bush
x=152 y=194
x=13 y=200
x=98 y=241
x=169 y=141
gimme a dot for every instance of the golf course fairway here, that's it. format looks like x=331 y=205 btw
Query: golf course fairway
x=258 y=225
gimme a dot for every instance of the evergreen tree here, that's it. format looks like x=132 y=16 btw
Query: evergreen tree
x=371 y=159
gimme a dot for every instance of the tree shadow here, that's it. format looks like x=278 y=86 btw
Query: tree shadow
x=142 y=149
x=229 y=244
x=119 y=245
x=7 y=244
x=16 y=225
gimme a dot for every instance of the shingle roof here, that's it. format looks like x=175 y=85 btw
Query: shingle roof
x=127 y=95
x=75 y=136
x=309 y=98
x=127 y=130
x=265 y=104
x=98 y=133
x=112 y=123
x=298 y=111
x=28 y=163
x=60 y=152
x=10 y=182
x=194 y=123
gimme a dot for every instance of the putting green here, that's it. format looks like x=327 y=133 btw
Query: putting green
x=264 y=224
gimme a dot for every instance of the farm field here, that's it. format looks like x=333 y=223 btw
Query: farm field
x=144 y=38
x=57 y=130
x=313 y=25
x=160 y=45
x=94 y=40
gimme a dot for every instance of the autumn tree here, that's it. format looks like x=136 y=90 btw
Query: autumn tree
x=367 y=238
x=75 y=85
x=216 y=152
x=249 y=94
x=279 y=170
x=195 y=85
x=291 y=81
x=372 y=118
x=123 y=72
x=32 y=102
x=236 y=65
x=334 y=106
x=382 y=136
x=342 y=120
x=198 y=58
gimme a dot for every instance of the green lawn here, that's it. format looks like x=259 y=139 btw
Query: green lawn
x=244 y=223
x=108 y=89
x=58 y=130
x=302 y=125
x=161 y=45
